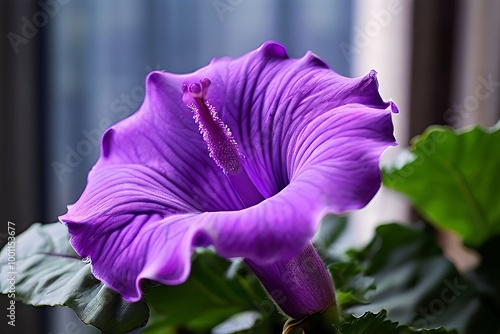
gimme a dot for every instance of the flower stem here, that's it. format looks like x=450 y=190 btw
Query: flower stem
x=316 y=323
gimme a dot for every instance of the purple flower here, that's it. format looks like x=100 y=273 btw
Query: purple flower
x=283 y=143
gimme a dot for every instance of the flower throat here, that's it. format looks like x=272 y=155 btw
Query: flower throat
x=222 y=147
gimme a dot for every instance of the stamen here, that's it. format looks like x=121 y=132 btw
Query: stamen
x=222 y=147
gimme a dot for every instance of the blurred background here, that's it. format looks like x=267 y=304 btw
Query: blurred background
x=69 y=69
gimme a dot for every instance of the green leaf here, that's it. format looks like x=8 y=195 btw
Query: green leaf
x=370 y=323
x=215 y=290
x=453 y=180
x=352 y=286
x=486 y=276
x=331 y=229
x=49 y=272
x=418 y=286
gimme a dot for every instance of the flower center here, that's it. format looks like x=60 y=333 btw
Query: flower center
x=221 y=145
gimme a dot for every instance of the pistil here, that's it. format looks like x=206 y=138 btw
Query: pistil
x=222 y=146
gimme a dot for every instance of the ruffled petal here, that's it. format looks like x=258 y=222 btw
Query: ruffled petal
x=139 y=246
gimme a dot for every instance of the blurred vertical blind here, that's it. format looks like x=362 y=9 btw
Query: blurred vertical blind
x=21 y=172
